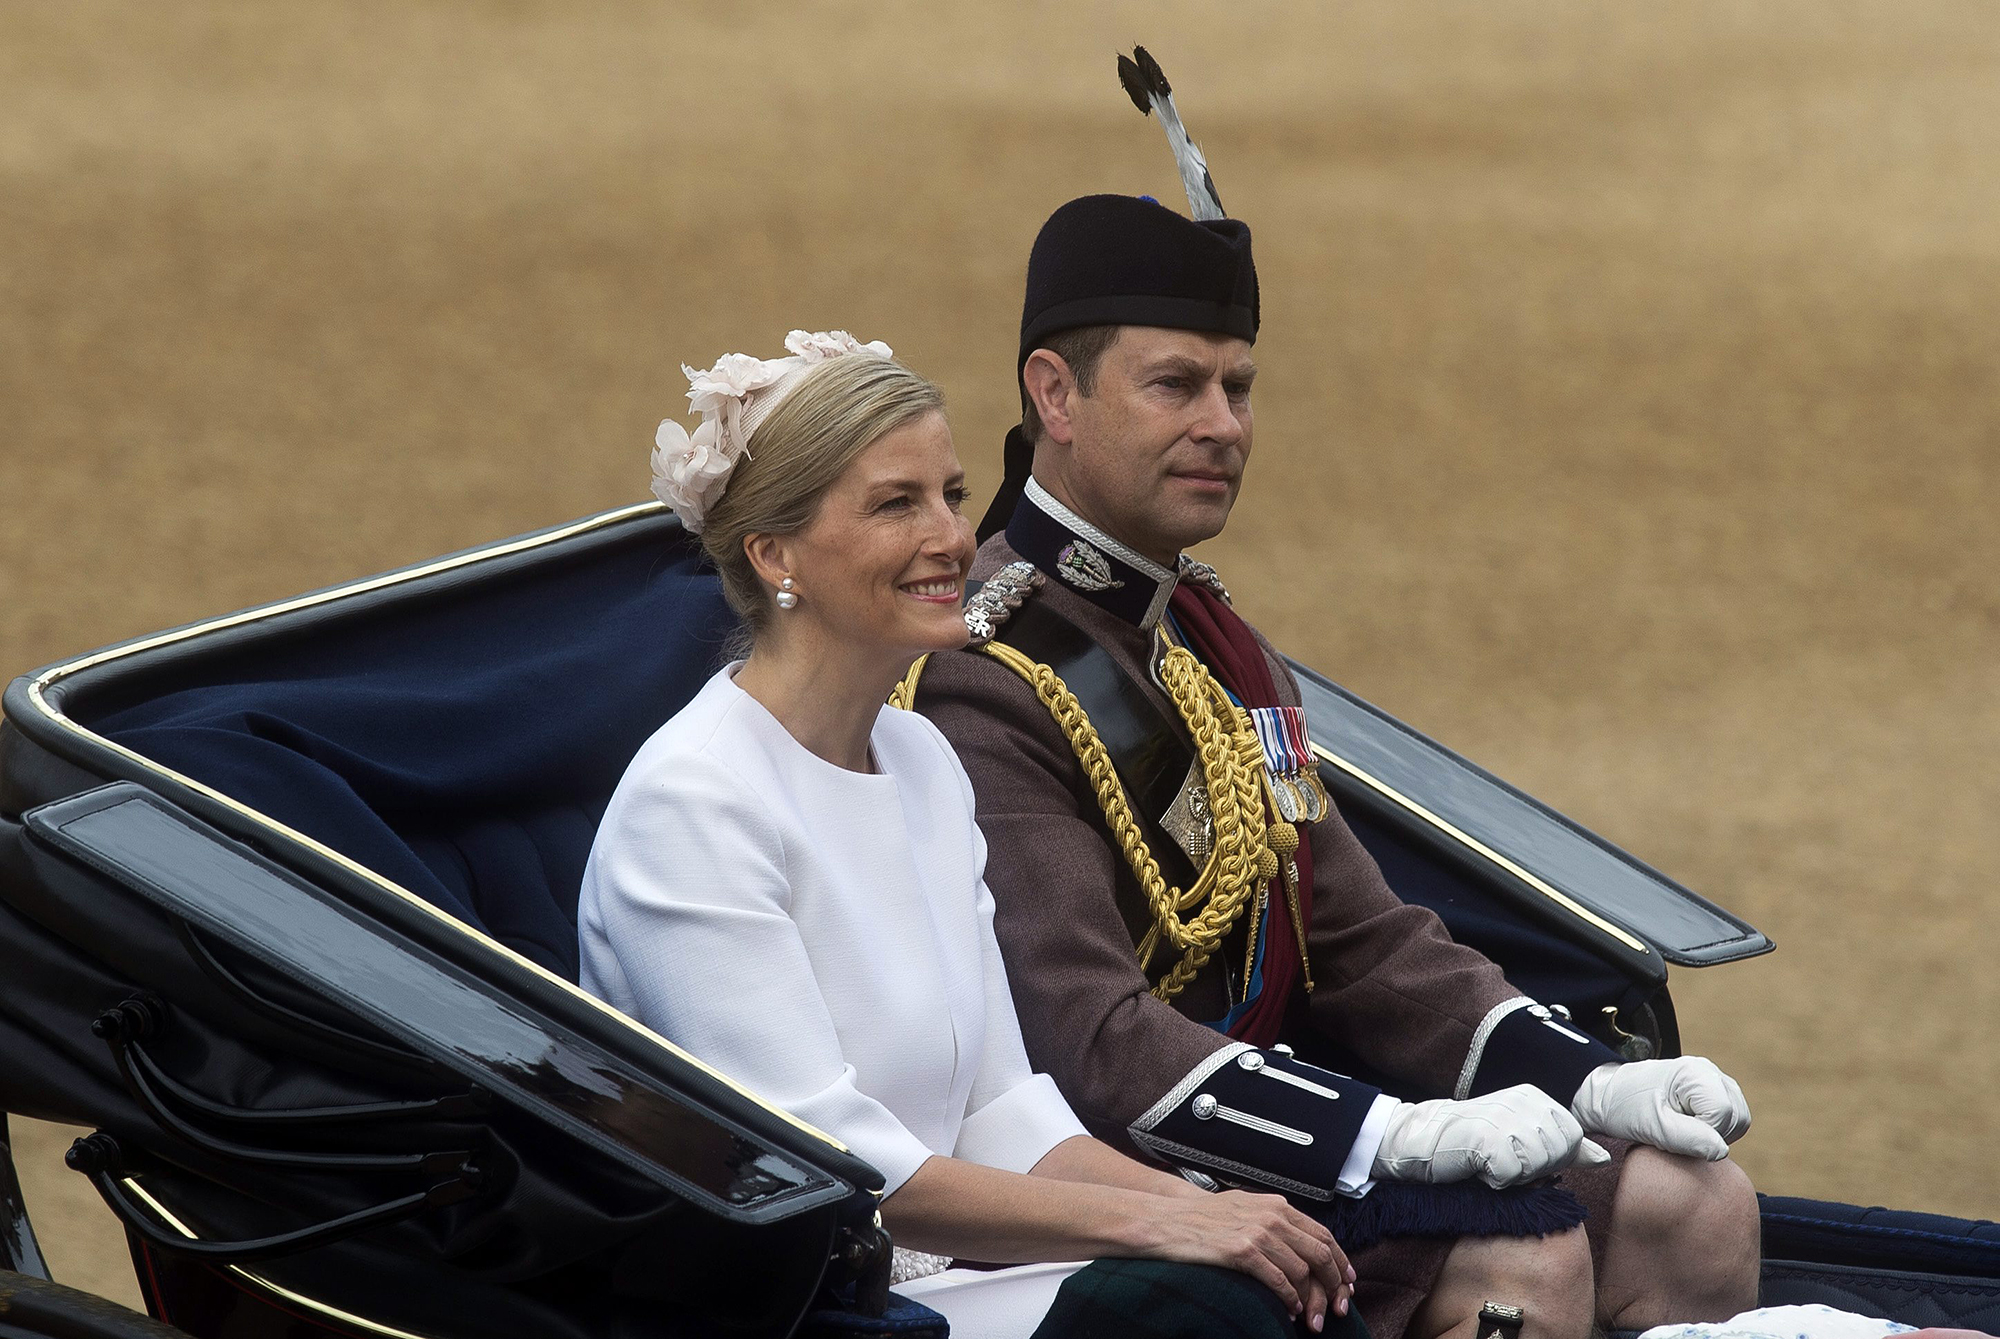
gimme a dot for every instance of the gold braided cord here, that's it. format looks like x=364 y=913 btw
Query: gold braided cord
x=904 y=695
x=1232 y=766
x=1285 y=849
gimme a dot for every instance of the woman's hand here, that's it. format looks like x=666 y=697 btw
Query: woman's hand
x=1220 y=1223
x=1085 y=1200
x=1262 y=1236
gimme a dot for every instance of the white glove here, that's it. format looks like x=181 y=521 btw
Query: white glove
x=1683 y=1106
x=1517 y=1134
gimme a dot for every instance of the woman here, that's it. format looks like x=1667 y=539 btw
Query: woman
x=788 y=880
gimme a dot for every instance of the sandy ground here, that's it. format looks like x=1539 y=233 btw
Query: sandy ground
x=1627 y=417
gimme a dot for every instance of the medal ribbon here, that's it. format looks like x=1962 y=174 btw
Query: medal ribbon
x=1282 y=732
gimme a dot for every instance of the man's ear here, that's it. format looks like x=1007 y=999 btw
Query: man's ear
x=770 y=555
x=1051 y=386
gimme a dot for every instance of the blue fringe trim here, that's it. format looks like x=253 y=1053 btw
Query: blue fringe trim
x=1462 y=1209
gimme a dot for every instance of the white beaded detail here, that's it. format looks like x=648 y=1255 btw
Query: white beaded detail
x=906 y=1266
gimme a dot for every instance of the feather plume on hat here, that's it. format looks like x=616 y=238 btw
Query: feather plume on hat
x=1130 y=260
x=1146 y=83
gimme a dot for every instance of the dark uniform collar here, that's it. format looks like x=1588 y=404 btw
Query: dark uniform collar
x=1071 y=550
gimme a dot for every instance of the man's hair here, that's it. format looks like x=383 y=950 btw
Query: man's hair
x=1082 y=348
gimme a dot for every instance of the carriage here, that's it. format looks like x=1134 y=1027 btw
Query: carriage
x=287 y=908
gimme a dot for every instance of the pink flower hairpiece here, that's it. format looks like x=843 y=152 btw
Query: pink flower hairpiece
x=690 y=469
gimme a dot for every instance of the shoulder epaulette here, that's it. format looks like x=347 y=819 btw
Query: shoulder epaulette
x=995 y=601
x=1203 y=575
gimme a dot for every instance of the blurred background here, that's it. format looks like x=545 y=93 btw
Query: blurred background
x=1627 y=418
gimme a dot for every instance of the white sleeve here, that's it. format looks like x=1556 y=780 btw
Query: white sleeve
x=688 y=928
x=1014 y=1116
x=1357 y=1174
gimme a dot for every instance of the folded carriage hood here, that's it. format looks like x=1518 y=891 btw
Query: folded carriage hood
x=552 y=1046
x=1556 y=869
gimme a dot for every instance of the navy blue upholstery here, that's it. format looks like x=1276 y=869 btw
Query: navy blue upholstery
x=463 y=738
x=1539 y=963
x=465 y=742
x=1849 y=1234
x=1920 y=1269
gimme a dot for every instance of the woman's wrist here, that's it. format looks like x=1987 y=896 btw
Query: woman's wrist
x=1175 y=1186
x=1087 y=1159
x=1130 y=1223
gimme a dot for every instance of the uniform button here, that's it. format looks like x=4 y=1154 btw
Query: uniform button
x=1250 y=1060
x=1204 y=1106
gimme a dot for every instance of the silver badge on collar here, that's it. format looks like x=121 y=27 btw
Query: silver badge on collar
x=1080 y=564
x=1203 y=575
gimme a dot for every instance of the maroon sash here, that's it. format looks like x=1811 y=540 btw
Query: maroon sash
x=1221 y=640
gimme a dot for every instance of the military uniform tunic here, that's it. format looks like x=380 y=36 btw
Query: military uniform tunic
x=1390 y=984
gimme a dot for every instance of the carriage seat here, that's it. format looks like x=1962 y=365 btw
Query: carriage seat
x=460 y=737
x=461 y=732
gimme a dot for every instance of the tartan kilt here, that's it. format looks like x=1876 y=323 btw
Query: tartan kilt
x=1157 y=1299
x=1393 y=1277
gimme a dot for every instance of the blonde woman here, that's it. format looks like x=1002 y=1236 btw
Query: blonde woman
x=788 y=881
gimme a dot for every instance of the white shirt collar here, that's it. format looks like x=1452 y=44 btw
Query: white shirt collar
x=1131 y=557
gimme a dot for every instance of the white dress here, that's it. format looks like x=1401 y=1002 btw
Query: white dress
x=825 y=937
x=1811 y=1321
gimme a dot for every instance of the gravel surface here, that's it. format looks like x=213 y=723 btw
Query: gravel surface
x=1627 y=417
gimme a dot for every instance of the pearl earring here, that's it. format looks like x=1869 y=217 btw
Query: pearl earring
x=787 y=599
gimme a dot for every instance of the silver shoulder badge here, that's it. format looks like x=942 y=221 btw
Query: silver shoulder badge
x=1189 y=820
x=1203 y=575
x=1080 y=564
x=998 y=598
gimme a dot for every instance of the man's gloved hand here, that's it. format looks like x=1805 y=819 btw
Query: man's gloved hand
x=1503 y=1138
x=1684 y=1106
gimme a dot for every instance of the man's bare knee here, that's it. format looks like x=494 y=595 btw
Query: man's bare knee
x=1547 y=1277
x=1683 y=1244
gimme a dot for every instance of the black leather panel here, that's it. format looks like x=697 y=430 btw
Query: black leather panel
x=1924 y=1300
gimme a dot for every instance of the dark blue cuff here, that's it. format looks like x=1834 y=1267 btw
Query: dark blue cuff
x=1532 y=1046
x=1261 y=1118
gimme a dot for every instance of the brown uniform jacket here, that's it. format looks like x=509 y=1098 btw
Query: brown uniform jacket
x=1390 y=984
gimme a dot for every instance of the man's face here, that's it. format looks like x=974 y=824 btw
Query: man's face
x=1156 y=451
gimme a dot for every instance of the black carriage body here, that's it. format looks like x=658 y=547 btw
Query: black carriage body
x=287 y=912
x=206 y=960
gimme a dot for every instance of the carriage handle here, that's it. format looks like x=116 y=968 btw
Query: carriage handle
x=126 y=1026
x=369 y=1050
x=123 y=1026
x=99 y=1157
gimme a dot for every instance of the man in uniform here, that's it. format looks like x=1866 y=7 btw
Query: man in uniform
x=1177 y=898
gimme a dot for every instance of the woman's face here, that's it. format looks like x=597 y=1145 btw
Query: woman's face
x=882 y=564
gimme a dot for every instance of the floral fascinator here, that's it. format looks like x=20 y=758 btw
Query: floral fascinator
x=690 y=469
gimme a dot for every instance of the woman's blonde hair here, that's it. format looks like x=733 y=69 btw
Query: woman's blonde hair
x=836 y=412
